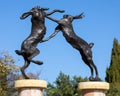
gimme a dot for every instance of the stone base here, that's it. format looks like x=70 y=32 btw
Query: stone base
x=30 y=87
x=93 y=88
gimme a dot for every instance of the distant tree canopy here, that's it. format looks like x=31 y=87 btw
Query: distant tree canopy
x=65 y=86
x=113 y=71
x=8 y=73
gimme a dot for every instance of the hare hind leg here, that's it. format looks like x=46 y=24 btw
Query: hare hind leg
x=35 y=53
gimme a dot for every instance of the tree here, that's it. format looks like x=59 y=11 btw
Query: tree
x=64 y=86
x=113 y=71
x=8 y=73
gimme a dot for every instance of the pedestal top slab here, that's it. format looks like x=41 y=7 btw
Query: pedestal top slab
x=94 y=85
x=29 y=83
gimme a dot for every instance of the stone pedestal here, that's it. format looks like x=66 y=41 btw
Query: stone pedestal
x=93 y=88
x=30 y=87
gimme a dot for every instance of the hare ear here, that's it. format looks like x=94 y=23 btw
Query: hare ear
x=25 y=15
x=45 y=9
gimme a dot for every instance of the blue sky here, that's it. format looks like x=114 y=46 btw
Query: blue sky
x=100 y=25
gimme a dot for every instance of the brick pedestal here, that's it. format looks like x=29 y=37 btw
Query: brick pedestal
x=93 y=88
x=30 y=87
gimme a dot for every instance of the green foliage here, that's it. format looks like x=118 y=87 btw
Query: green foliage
x=8 y=73
x=64 y=86
x=114 y=90
x=113 y=71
